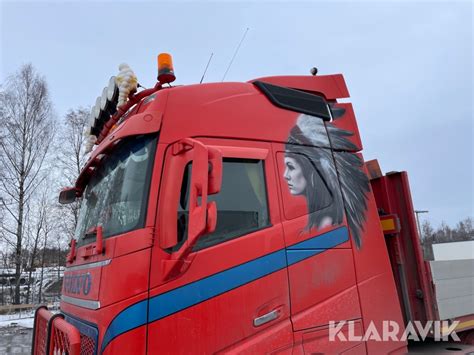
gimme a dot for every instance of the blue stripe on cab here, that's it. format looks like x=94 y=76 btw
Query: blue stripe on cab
x=130 y=318
x=324 y=241
x=295 y=256
x=191 y=294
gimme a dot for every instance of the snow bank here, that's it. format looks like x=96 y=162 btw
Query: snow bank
x=25 y=320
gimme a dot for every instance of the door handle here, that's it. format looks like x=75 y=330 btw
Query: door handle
x=266 y=318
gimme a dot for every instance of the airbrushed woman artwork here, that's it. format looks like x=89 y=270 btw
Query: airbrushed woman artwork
x=310 y=171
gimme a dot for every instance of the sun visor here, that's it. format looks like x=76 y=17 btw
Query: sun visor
x=295 y=100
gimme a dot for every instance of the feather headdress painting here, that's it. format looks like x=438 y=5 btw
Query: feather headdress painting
x=329 y=179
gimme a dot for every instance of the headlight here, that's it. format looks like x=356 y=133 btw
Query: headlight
x=92 y=117
x=112 y=89
x=103 y=99
x=97 y=108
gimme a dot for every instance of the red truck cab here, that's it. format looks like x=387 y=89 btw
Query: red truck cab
x=228 y=217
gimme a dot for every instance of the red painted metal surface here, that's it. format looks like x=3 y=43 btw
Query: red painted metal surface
x=412 y=274
x=53 y=335
x=65 y=338
x=331 y=86
x=137 y=307
x=40 y=331
x=317 y=299
x=240 y=305
x=348 y=122
x=134 y=99
x=316 y=341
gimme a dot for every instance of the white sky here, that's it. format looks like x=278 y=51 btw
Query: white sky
x=408 y=67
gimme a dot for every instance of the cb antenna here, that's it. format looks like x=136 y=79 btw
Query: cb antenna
x=235 y=54
x=207 y=66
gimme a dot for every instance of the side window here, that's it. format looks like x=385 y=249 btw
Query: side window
x=241 y=204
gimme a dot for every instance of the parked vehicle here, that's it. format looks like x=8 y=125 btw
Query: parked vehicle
x=236 y=218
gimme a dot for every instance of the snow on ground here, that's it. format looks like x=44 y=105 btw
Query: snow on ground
x=23 y=322
x=23 y=319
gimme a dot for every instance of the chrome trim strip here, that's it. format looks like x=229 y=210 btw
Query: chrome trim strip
x=90 y=265
x=80 y=302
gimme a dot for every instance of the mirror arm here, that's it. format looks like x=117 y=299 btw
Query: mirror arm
x=72 y=253
x=99 y=245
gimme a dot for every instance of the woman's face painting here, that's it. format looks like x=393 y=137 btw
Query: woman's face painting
x=294 y=176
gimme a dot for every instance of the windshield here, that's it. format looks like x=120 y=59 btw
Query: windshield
x=117 y=193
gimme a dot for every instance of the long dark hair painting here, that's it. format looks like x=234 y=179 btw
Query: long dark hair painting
x=329 y=179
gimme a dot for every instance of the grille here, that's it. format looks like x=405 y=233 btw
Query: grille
x=67 y=335
x=89 y=335
x=87 y=345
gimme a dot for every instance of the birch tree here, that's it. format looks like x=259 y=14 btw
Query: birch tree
x=71 y=160
x=26 y=133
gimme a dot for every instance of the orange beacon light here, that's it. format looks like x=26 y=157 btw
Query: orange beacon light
x=165 y=68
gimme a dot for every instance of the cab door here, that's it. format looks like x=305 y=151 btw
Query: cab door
x=322 y=277
x=232 y=292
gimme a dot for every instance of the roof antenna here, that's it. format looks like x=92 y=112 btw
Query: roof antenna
x=207 y=66
x=236 y=51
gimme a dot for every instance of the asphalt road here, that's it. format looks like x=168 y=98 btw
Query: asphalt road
x=15 y=340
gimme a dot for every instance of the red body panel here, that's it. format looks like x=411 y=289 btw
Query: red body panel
x=411 y=272
x=318 y=288
x=132 y=342
x=348 y=122
x=213 y=325
x=254 y=299
x=303 y=275
x=374 y=277
x=316 y=341
x=330 y=86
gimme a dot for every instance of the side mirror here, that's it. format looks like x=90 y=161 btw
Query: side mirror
x=68 y=195
x=213 y=187
x=203 y=215
x=197 y=221
x=206 y=179
x=215 y=171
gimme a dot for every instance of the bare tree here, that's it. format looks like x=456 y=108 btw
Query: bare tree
x=50 y=226
x=427 y=241
x=38 y=223
x=71 y=160
x=26 y=131
x=428 y=230
x=464 y=229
